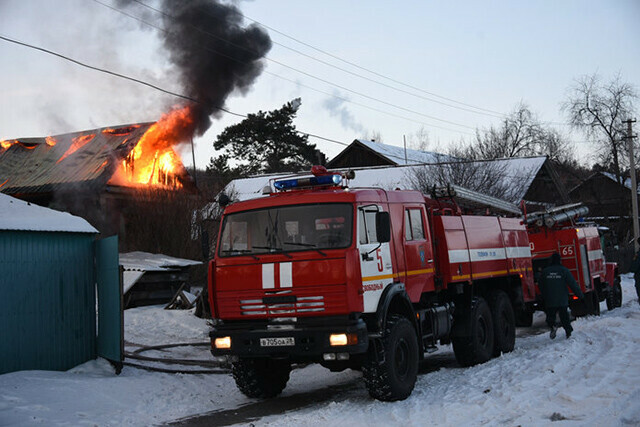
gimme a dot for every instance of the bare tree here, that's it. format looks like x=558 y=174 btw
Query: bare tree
x=520 y=134
x=487 y=177
x=419 y=140
x=598 y=109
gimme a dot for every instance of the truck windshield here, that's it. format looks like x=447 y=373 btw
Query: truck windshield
x=287 y=229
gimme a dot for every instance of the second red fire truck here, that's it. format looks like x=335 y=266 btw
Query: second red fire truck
x=580 y=249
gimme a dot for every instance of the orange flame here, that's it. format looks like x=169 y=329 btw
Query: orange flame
x=153 y=160
x=51 y=141
x=6 y=144
x=120 y=131
x=77 y=143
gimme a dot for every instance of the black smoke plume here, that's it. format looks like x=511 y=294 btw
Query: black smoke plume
x=212 y=51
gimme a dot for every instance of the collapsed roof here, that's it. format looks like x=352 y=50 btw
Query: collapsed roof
x=89 y=158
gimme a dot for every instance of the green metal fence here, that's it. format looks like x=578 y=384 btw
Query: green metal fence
x=48 y=300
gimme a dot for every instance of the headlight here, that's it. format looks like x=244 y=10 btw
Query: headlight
x=222 y=342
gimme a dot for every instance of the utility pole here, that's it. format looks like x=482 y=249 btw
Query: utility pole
x=406 y=162
x=195 y=171
x=634 y=186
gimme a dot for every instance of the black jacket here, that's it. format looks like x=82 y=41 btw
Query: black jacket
x=553 y=286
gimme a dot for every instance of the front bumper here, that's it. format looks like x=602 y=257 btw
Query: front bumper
x=311 y=338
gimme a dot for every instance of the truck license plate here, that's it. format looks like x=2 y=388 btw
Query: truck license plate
x=277 y=342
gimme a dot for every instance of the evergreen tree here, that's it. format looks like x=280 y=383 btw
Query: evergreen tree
x=265 y=142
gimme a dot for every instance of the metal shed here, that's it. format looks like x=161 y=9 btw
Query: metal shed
x=50 y=268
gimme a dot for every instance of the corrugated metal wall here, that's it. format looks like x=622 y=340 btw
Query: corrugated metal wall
x=47 y=300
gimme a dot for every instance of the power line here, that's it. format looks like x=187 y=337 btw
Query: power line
x=122 y=76
x=488 y=112
x=283 y=65
x=82 y=64
x=287 y=79
x=367 y=106
x=367 y=70
x=471 y=108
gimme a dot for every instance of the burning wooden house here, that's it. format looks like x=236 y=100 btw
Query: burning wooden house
x=98 y=174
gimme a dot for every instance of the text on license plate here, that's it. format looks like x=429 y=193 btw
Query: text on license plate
x=277 y=342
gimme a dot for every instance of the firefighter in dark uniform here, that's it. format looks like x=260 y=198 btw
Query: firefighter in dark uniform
x=553 y=285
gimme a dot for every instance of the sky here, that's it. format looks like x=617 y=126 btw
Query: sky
x=446 y=68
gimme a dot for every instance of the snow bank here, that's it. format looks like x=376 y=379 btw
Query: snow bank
x=591 y=379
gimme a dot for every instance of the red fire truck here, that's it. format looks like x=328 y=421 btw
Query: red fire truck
x=361 y=278
x=580 y=249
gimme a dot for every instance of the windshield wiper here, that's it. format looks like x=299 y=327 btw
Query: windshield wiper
x=274 y=250
x=307 y=245
x=242 y=251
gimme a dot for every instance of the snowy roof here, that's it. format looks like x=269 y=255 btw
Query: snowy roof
x=135 y=264
x=144 y=261
x=397 y=154
x=521 y=169
x=16 y=214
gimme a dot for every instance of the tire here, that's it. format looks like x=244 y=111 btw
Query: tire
x=617 y=291
x=610 y=298
x=261 y=377
x=394 y=377
x=473 y=334
x=504 y=323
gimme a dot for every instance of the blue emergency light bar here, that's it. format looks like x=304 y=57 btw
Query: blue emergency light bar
x=312 y=181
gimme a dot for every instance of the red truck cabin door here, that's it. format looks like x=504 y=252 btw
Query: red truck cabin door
x=375 y=258
x=418 y=253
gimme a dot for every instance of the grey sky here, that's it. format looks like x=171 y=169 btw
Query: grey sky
x=491 y=54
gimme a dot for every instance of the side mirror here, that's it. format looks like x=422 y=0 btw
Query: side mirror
x=383 y=227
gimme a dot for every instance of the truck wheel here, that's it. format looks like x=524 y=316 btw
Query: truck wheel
x=611 y=298
x=473 y=334
x=394 y=377
x=614 y=296
x=504 y=324
x=617 y=290
x=261 y=377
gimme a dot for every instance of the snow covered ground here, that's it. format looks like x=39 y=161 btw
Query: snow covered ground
x=591 y=379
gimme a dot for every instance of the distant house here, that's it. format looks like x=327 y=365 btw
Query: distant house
x=537 y=185
x=605 y=196
x=94 y=174
x=370 y=153
x=609 y=202
x=538 y=182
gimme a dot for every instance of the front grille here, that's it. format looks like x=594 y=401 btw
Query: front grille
x=257 y=307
